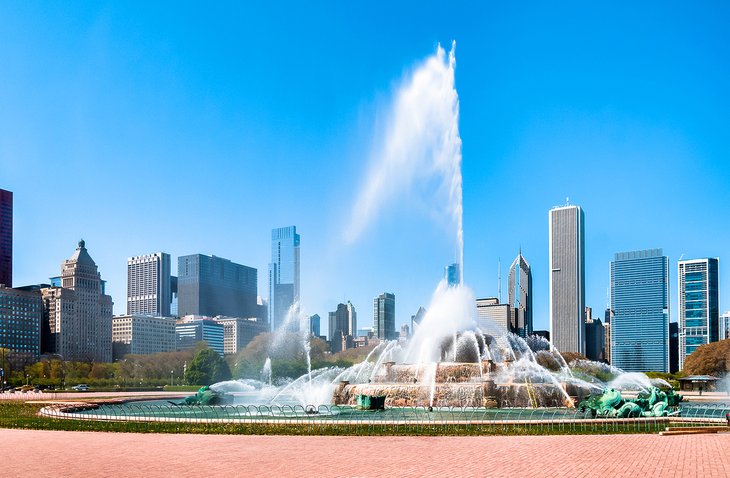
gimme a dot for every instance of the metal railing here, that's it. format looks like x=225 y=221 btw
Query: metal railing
x=338 y=420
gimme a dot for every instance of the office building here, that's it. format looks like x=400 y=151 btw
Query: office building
x=520 y=296
x=211 y=286
x=724 y=327
x=567 y=278
x=673 y=347
x=342 y=326
x=595 y=337
x=21 y=315
x=192 y=329
x=640 y=304
x=238 y=332
x=313 y=325
x=6 y=238
x=77 y=313
x=607 y=334
x=492 y=317
x=149 y=285
x=384 y=316
x=283 y=274
x=452 y=274
x=699 y=304
x=142 y=335
x=417 y=318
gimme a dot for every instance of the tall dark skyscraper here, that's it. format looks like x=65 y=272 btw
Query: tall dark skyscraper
x=520 y=296
x=699 y=304
x=213 y=286
x=6 y=238
x=384 y=316
x=567 y=278
x=283 y=273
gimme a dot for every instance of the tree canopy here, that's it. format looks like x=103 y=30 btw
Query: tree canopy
x=207 y=368
x=709 y=359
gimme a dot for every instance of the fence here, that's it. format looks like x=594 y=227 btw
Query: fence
x=337 y=420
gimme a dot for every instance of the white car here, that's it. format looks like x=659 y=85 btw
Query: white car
x=82 y=387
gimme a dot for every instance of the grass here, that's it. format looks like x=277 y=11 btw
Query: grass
x=18 y=414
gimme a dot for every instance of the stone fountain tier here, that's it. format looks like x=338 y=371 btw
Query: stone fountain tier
x=458 y=385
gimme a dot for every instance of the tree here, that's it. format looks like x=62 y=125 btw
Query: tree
x=206 y=368
x=709 y=359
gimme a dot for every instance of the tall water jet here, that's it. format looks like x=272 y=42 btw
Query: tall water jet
x=266 y=372
x=421 y=145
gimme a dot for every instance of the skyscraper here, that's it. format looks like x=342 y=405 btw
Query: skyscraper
x=640 y=305
x=211 y=286
x=384 y=316
x=21 y=315
x=6 y=238
x=520 y=296
x=567 y=278
x=342 y=326
x=493 y=317
x=699 y=308
x=283 y=273
x=452 y=274
x=77 y=313
x=149 y=285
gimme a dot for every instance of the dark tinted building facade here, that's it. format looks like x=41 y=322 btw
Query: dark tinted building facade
x=211 y=286
x=6 y=238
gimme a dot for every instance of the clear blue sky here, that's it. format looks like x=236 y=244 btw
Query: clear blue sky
x=196 y=129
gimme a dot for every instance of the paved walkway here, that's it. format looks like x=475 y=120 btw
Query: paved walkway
x=55 y=453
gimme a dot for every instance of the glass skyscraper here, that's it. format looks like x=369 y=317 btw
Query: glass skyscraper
x=283 y=274
x=520 y=296
x=699 y=304
x=640 y=305
x=384 y=316
x=567 y=278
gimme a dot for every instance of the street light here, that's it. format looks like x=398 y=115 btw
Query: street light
x=171 y=377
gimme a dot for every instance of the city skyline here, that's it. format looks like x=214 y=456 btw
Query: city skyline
x=616 y=110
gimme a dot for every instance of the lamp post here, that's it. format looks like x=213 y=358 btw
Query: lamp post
x=171 y=377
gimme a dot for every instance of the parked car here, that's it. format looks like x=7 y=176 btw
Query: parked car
x=82 y=387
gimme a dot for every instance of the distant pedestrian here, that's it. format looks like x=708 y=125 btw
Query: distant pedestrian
x=727 y=417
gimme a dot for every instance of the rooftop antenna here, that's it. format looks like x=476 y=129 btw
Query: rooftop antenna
x=499 y=279
x=567 y=200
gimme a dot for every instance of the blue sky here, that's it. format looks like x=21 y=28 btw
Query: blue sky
x=192 y=129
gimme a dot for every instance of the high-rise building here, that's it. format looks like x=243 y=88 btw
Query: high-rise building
x=77 y=313
x=417 y=318
x=567 y=278
x=191 y=329
x=673 y=347
x=21 y=314
x=640 y=305
x=384 y=316
x=142 y=335
x=149 y=285
x=607 y=334
x=211 y=286
x=342 y=326
x=283 y=273
x=313 y=325
x=595 y=337
x=520 y=296
x=6 y=238
x=238 y=333
x=452 y=274
x=699 y=304
x=724 y=328
x=493 y=317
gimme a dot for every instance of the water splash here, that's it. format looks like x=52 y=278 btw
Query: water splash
x=421 y=145
x=266 y=371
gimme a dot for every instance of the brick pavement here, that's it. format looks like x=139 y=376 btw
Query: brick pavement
x=55 y=453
